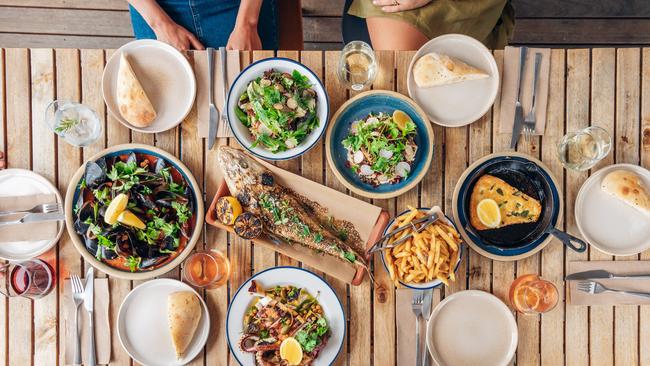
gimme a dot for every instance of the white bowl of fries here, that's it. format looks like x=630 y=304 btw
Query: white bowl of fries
x=429 y=257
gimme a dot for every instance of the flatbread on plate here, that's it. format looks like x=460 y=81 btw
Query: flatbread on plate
x=434 y=69
x=132 y=101
x=628 y=187
x=184 y=314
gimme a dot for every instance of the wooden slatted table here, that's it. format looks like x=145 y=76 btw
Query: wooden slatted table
x=604 y=87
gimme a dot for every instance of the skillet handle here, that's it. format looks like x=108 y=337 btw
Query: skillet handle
x=568 y=240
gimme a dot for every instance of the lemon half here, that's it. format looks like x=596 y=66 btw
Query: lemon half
x=291 y=351
x=401 y=119
x=130 y=219
x=115 y=208
x=488 y=212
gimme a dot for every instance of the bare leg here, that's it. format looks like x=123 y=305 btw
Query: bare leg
x=393 y=34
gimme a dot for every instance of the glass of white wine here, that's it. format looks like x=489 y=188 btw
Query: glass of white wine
x=75 y=123
x=357 y=65
x=581 y=150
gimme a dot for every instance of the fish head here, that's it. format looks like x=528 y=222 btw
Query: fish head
x=240 y=169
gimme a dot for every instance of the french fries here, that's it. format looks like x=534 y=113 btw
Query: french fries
x=426 y=256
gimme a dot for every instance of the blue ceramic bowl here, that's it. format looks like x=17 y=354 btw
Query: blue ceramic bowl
x=359 y=107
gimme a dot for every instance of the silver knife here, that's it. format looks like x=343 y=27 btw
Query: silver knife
x=518 y=124
x=214 y=113
x=600 y=274
x=35 y=217
x=426 y=312
x=89 y=304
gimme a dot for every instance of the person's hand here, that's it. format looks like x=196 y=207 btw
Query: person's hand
x=393 y=6
x=177 y=36
x=244 y=38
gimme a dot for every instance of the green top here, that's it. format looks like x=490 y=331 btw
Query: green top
x=489 y=21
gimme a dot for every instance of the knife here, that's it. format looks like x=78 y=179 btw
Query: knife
x=214 y=113
x=89 y=304
x=35 y=217
x=426 y=312
x=518 y=125
x=600 y=273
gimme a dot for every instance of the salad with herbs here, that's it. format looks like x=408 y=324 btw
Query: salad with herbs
x=279 y=110
x=381 y=147
x=133 y=212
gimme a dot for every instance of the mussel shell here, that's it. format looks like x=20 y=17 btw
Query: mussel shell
x=168 y=243
x=160 y=165
x=91 y=245
x=108 y=253
x=86 y=211
x=132 y=158
x=144 y=200
x=94 y=174
x=150 y=262
x=124 y=244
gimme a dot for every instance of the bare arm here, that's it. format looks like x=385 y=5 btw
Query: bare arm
x=244 y=36
x=164 y=26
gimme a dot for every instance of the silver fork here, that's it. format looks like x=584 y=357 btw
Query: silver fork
x=416 y=306
x=42 y=208
x=531 y=120
x=593 y=287
x=224 y=125
x=77 y=297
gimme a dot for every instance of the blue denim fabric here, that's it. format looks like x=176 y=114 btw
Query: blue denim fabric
x=211 y=21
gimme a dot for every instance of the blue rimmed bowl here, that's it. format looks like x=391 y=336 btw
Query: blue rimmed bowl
x=359 y=107
x=252 y=72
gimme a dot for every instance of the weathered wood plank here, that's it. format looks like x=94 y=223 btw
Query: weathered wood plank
x=644 y=311
x=60 y=41
x=4 y=303
x=320 y=8
x=574 y=31
x=581 y=9
x=69 y=4
x=92 y=68
x=321 y=29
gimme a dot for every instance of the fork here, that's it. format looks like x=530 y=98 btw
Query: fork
x=223 y=120
x=42 y=208
x=531 y=119
x=77 y=297
x=593 y=287
x=416 y=306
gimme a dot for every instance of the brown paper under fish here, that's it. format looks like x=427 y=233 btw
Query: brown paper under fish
x=509 y=87
x=577 y=297
x=27 y=232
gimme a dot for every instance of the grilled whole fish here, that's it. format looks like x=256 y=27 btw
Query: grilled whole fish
x=286 y=215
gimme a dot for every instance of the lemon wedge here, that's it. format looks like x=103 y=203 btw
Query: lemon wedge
x=228 y=208
x=291 y=351
x=115 y=208
x=401 y=119
x=488 y=212
x=128 y=218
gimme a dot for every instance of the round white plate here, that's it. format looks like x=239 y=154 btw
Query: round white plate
x=165 y=75
x=462 y=103
x=282 y=276
x=19 y=182
x=472 y=328
x=143 y=328
x=607 y=223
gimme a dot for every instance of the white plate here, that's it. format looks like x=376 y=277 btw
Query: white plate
x=472 y=328
x=18 y=182
x=256 y=70
x=143 y=328
x=457 y=104
x=607 y=223
x=282 y=276
x=165 y=75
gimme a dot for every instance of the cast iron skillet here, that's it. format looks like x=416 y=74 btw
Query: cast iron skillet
x=528 y=177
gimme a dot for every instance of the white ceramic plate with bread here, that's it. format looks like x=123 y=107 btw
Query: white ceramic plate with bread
x=612 y=209
x=148 y=86
x=145 y=327
x=454 y=78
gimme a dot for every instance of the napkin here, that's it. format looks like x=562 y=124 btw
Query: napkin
x=406 y=327
x=102 y=324
x=27 y=232
x=576 y=297
x=509 y=87
x=203 y=82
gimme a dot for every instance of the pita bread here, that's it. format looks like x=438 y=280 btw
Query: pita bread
x=434 y=69
x=132 y=101
x=629 y=188
x=184 y=314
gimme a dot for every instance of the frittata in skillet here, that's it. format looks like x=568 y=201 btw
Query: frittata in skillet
x=495 y=204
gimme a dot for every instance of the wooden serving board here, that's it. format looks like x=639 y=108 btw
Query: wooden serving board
x=369 y=220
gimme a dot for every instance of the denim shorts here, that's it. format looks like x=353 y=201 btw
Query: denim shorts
x=211 y=21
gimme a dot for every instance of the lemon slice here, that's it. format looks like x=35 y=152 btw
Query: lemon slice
x=527 y=298
x=128 y=218
x=115 y=208
x=488 y=212
x=401 y=119
x=228 y=208
x=291 y=351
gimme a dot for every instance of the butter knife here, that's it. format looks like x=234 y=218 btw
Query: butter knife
x=518 y=124
x=600 y=274
x=214 y=113
x=426 y=312
x=35 y=217
x=89 y=305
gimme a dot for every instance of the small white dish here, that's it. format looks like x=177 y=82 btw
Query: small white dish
x=472 y=328
x=143 y=329
x=462 y=103
x=257 y=69
x=166 y=76
x=282 y=276
x=19 y=182
x=607 y=223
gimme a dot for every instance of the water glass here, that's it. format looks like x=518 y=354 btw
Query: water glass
x=530 y=294
x=75 y=123
x=581 y=150
x=207 y=269
x=32 y=279
x=357 y=67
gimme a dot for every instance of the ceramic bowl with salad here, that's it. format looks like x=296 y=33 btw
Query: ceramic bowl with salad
x=277 y=108
x=379 y=144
